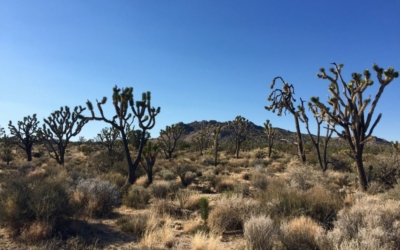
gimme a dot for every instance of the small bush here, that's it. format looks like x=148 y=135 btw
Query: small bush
x=167 y=175
x=224 y=185
x=160 y=189
x=259 y=233
x=137 y=197
x=96 y=197
x=260 y=154
x=34 y=206
x=300 y=233
x=370 y=222
x=164 y=207
x=133 y=224
x=230 y=213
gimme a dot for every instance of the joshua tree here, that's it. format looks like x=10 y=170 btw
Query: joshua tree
x=282 y=100
x=323 y=162
x=202 y=141
x=348 y=109
x=25 y=133
x=168 y=139
x=58 y=129
x=122 y=100
x=239 y=134
x=150 y=153
x=109 y=139
x=215 y=135
x=271 y=133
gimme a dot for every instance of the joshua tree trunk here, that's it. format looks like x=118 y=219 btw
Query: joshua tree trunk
x=300 y=148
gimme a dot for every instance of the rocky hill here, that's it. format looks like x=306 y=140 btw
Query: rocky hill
x=257 y=132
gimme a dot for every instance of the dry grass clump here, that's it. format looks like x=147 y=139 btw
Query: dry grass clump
x=259 y=153
x=300 y=233
x=137 y=197
x=187 y=199
x=370 y=223
x=224 y=184
x=165 y=207
x=230 y=213
x=134 y=224
x=142 y=181
x=259 y=181
x=260 y=233
x=159 y=234
x=202 y=241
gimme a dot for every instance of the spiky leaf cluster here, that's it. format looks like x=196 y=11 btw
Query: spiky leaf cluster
x=282 y=99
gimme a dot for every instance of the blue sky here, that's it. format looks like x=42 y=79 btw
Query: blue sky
x=201 y=60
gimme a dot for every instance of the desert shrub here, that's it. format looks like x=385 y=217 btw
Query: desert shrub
x=259 y=181
x=182 y=170
x=116 y=178
x=259 y=233
x=160 y=189
x=370 y=222
x=393 y=193
x=384 y=171
x=34 y=206
x=303 y=177
x=183 y=196
x=167 y=175
x=224 y=184
x=134 y=224
x=207 y=161
x=280 y=202
x=137 y=197
x=260 y=154
x=230 y=213
x=300 y=233
x=165 y=207
x=96 y=197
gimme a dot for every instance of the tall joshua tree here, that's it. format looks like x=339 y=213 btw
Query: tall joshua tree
x=58 y=129
x=271 y=133
x=239 y=128
x=282 y=100
x=349 y=109
x=25 y=133
x=142 y=110
x=169 y=137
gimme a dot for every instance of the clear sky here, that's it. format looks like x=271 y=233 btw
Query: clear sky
x=201 y=60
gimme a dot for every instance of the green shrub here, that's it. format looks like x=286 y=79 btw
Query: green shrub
x=137 y=197
x=160 y=190
x=34 y=205
x=260 y=154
